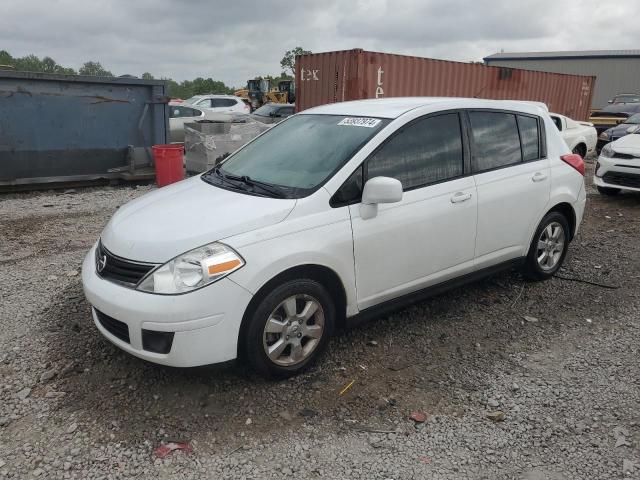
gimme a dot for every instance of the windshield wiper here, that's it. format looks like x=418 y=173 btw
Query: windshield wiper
x=267 y=187
x=245 y=180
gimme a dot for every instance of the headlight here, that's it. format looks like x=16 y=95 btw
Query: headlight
x=603 y=136
x=607 y=151
x=192 y=270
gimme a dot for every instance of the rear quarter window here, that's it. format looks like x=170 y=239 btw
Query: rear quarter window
x=529 y=137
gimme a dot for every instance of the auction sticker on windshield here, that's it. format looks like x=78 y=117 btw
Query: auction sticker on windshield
x=360 y=122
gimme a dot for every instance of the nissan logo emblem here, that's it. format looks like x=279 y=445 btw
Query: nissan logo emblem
x=102 y=262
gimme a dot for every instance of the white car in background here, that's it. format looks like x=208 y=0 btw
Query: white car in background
x=402 y=198
x=618 y=167
x=580 y=137
x=218 y=103
x=181 y=114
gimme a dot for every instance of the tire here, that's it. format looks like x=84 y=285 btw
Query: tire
x=295 y=343
x=553 y=231
x=608 y=191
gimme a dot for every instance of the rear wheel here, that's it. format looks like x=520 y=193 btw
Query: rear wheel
x=580 y=149
x=290 y=328
x=548 y=247
x=608 y=191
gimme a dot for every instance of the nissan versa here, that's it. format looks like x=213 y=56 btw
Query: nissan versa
x=335 y=213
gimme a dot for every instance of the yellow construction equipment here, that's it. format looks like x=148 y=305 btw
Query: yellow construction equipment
x=259 y=91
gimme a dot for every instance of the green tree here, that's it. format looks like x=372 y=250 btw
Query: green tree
x=288 y=62
x=94 y=69
x=6 y=58
x=147 y=76
x=29 y=63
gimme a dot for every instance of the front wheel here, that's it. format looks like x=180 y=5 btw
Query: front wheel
x=548 y=247
x=290 y=328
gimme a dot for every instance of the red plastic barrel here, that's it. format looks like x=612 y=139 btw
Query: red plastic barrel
x=168 y=160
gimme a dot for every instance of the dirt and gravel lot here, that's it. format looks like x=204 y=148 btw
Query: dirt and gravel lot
x=560 y=359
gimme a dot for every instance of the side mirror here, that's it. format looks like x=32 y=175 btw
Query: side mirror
x=610 y=101
x=379 y=190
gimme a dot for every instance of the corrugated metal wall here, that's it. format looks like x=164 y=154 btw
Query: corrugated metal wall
x=355 y=74
x=613 y=75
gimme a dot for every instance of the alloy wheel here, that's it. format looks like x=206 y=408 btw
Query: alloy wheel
x=293 y=330
x=550 y=246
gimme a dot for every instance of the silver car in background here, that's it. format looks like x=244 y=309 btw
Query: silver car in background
x=273 y=112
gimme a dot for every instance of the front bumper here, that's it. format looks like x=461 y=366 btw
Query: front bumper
x=618 y=173
x=205 y=322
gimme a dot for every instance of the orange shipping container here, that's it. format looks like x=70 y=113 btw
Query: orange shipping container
x=357 y=74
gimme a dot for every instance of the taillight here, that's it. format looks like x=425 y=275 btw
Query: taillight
x=574 y=160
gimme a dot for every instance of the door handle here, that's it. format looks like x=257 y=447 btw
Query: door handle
x=460 y=197
x=538 y=177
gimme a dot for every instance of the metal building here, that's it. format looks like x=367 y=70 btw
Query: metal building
x=616 y=71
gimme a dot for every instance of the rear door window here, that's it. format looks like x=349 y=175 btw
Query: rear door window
x=222 y=102
x=426 y=151
x=495 y=139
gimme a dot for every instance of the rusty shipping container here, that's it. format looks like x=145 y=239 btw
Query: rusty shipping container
x=357 y=74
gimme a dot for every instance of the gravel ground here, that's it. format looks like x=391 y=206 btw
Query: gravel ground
x=555 y=365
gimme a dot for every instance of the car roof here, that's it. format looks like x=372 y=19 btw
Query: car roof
x=622 y=108
x=279 y=105
x=395 y=107
x=214 y=95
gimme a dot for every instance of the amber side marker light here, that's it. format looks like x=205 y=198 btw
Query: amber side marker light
x=223 y=267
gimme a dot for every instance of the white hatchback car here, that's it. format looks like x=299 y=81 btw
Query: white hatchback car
x=618 y=166
x=367 y=205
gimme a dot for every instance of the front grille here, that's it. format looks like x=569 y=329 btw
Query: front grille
x=622 y=179
x=115 y=327
x=121 y=270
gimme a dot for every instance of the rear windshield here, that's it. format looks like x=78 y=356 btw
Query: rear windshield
x=301 y=153
x=265 y=110
x=627 y=98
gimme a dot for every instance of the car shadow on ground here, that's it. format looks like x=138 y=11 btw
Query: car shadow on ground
x=432 y=356
x=437 y=356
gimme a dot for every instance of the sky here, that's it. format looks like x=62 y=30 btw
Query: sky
x=234 y=40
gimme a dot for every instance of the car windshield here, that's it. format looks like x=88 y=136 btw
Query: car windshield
x=265 y=110
x=192 y=100
x=634 y=119
x=627 y=99
x=300 y=153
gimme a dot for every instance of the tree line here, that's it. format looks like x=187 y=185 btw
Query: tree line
x=184 y=89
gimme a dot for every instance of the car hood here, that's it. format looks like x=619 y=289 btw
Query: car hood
x=174 y=219
x=629 y=144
